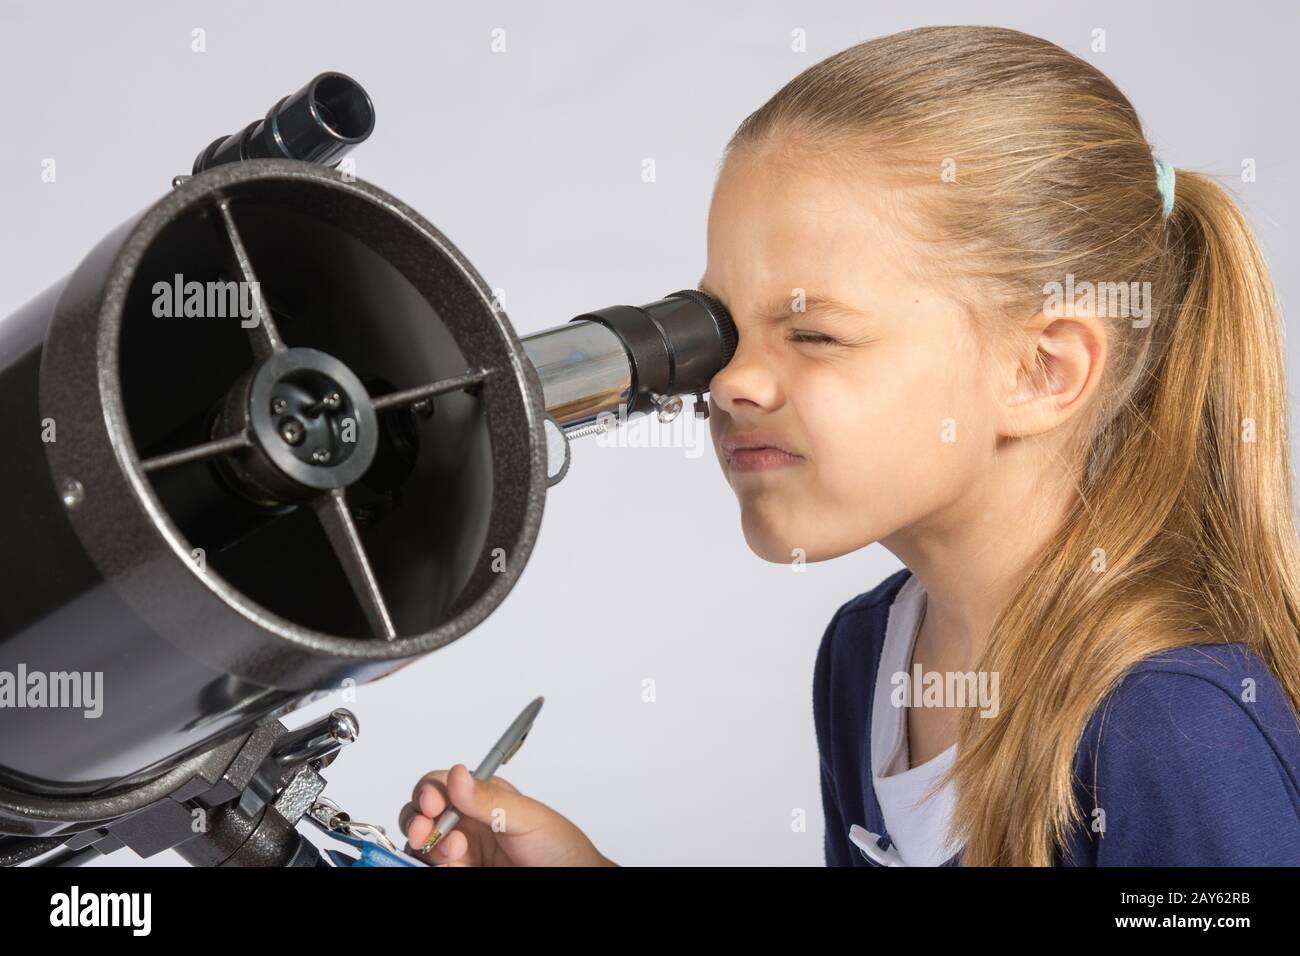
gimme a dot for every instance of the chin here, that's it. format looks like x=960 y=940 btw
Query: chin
x=769 y=542
x=775 y=541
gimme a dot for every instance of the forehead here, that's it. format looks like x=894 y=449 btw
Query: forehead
x=780 y=221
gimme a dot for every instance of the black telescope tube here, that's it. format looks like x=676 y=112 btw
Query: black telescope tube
x=319 y=124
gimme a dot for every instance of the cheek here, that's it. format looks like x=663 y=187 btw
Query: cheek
x=900 y=431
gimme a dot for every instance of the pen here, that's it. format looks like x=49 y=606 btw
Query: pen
x=505 y=748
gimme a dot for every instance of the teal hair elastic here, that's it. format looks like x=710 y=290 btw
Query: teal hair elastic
x=1165 y=183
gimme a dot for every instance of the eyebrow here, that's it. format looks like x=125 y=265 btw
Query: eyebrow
x=779 y=308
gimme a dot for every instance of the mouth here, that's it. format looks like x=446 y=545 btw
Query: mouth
x=758 y=451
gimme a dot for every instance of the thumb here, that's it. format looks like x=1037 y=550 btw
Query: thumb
x=479 y=799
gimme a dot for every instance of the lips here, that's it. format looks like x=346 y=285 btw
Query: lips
x=758 y=451
x=753 y=440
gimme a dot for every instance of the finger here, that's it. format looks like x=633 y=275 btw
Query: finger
x=435 y=778
x=450 y=847
x=417 y=830
x=431 y=810
x=432 y=799
x=483 y=800
x=427 y=799
x=406 y=815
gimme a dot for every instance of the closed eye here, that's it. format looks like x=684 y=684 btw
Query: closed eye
x=812 y=338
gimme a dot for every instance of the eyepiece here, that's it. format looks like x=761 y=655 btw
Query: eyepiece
x=342 y=107
x=319 y=124
x=627 y=357
x=675 y=345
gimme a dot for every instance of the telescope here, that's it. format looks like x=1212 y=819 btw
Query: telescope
x=273 y=436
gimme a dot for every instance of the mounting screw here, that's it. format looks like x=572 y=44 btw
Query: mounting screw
x=669 y=406
x=73 y=492
x=278 y=405
x=329 y=403
x=292 y=431
x=423 y=408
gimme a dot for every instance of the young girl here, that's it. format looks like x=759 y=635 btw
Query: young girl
x=982 y=324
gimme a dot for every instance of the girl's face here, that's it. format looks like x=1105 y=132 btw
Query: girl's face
x=877 y=385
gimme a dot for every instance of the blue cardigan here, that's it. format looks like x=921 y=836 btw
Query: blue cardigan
x=1187 y=773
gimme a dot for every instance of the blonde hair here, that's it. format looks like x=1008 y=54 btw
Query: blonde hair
x=1185 y=495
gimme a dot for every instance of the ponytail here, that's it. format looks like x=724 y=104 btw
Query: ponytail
x=1228 y=349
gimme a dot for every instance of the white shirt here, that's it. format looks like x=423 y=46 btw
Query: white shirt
x=917 y=827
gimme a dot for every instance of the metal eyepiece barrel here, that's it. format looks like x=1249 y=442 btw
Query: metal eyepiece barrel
x=630 y=356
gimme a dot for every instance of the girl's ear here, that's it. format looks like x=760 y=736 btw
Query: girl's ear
x=1056 y=372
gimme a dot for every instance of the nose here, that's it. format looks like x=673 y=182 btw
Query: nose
x=749 y=382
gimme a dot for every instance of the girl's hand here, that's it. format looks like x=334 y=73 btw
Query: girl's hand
x=528 y=833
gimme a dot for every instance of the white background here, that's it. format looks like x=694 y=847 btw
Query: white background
x=530 y=161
